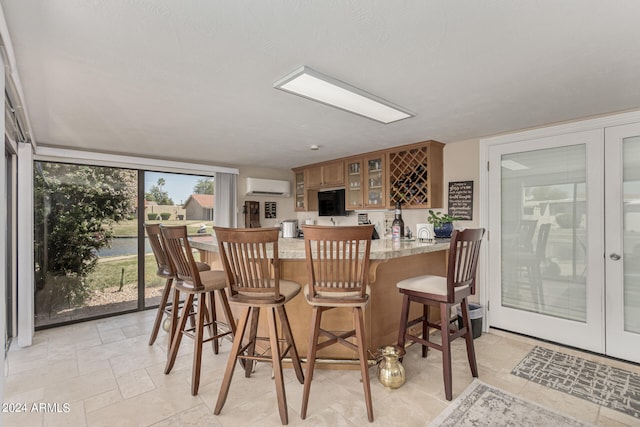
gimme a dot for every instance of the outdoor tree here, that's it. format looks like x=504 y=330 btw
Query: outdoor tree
x=157 y=194
x=203 y=186
x=75 y=209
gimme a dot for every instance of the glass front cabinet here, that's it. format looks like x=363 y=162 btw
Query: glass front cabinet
x=300 y=202
x=353 y=186
x=375 y=194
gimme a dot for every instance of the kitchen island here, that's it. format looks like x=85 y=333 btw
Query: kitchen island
x=390 y=263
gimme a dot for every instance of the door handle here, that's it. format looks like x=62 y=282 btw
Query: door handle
x=614 y=257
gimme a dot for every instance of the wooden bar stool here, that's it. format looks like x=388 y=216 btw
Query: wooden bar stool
x=196 y=285
x=338 y=276
x=165 y=271
x=444 y=292
x=250 y=260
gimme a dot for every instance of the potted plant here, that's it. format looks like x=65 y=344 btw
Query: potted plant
x=442 y=223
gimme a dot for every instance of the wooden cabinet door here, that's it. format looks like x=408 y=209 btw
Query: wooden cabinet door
x=314 y=177
x=333 y=174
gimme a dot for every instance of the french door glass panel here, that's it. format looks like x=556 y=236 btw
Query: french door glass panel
x=543 y=231
x=631 y=236
x=548 y=232
x=622 y=255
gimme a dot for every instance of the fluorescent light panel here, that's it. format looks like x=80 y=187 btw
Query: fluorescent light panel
x=313 y=85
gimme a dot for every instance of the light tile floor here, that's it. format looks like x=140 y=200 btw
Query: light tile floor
x=103 y=373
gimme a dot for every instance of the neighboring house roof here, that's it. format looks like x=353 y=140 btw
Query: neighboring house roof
x=202 y=200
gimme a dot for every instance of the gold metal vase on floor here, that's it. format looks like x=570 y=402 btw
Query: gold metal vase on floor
x=390 y=370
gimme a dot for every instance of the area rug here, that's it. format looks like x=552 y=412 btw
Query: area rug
x=484 y=405
x=601 y=384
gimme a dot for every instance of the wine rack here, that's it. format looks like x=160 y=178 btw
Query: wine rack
x=415 y=175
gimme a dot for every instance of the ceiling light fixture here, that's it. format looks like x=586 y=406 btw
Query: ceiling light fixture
x=316 y=86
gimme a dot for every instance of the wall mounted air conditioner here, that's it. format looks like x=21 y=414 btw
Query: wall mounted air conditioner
x=268 y=187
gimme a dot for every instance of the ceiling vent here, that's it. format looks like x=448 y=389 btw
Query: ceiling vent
x=268 y=187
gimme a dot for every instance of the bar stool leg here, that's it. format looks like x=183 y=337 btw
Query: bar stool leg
x=404 y=319
x=425 y=328
x=311 y=358
x=471 y=353
x=286 y=330
x=161 y=309
x=231 y=362
x=362 y=353
x=446 y=350
x=213 y=323
x=253 y=332
x=174 y=320
x=197 y=344
x=277 y=366
x=177 y=336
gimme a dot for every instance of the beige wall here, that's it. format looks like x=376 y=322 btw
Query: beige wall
x=284 y=205
x=461 y=164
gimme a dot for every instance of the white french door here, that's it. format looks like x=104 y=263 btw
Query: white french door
x=622 y=241
x=564 y=253
x=546 y=238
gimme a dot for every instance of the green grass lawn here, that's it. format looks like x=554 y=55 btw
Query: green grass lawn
x=130 y=228
x=108 y=273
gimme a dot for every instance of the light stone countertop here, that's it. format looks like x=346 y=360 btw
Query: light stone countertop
x=381 y=249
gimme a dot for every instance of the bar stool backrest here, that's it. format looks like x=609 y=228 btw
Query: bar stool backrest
x=337 y=262
x=250 y=260
x=177 y=247
x=464 y=251
x=165 y=269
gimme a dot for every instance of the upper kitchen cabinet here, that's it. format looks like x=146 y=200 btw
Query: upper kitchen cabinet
x=329 y=174
x=415 y=175
x=410 y=174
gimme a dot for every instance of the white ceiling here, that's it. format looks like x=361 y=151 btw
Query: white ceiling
x=192 y=80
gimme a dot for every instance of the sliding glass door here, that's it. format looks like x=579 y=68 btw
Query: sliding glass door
x=91 y=255
x=82 y=269
x=174 y=199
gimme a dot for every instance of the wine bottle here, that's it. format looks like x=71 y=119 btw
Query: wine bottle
x=397 y=226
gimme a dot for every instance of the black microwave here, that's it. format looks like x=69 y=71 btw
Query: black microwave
x=331 y=203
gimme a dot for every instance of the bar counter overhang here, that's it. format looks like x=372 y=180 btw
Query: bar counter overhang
x=390 y=262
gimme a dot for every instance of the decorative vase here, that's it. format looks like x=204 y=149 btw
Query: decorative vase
x=444 y=230
x=390 y=370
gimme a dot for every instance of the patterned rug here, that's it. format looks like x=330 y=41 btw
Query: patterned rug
x=484 y=405
x=598 y=383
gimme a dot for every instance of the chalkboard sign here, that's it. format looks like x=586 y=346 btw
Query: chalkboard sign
x=461 y=199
